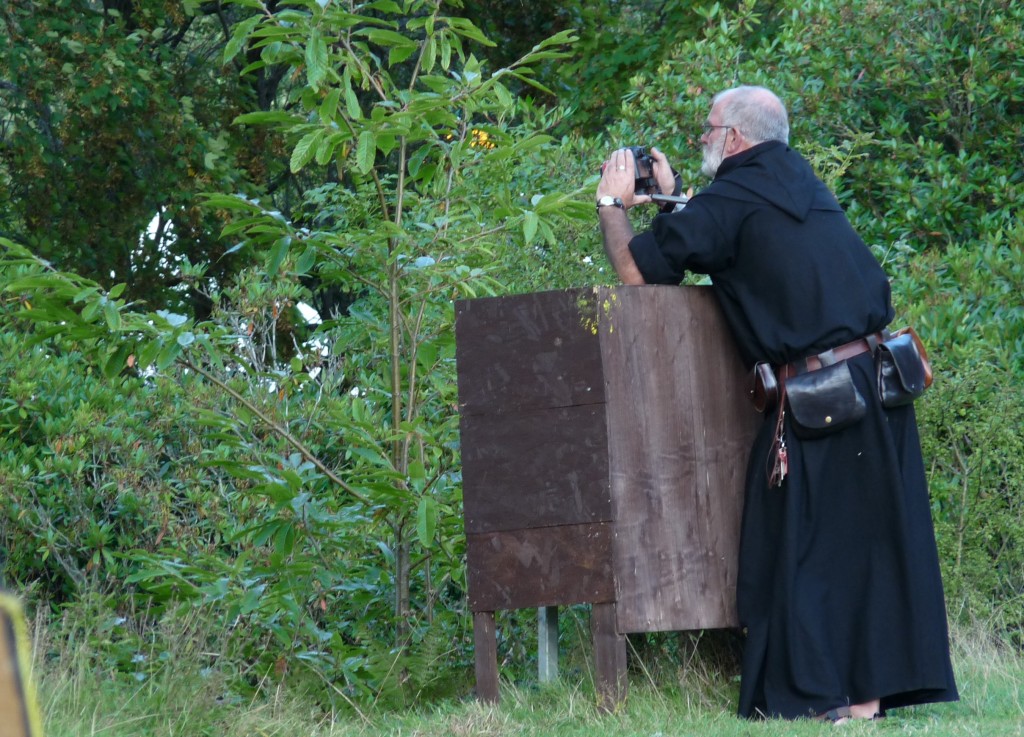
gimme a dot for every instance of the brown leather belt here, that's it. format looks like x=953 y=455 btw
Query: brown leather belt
x=833 y=355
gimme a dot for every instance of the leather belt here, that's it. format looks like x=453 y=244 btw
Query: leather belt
x=833 y=355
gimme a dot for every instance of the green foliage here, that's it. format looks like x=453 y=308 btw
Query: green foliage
x=967 y=306
x=924 y=96
x=614 y=44
x=340 y=554
x=940 y=90
x=112 y=118
x=86 y=463
x=163 y=492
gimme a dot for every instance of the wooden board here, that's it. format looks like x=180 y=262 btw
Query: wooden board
x=528 y=351
x=623 y=406
x=535 y=469
x=680 y=429
x=540 y=567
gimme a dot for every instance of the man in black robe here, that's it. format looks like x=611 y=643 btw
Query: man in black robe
x=839 y=591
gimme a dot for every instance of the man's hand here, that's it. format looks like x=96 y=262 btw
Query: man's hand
x=663 y=172
x=618 y=178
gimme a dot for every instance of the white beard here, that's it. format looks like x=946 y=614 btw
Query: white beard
x=712 y=160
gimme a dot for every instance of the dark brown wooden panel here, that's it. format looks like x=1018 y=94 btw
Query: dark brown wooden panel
x=535 y=469
x=680 y=429
x=549 y=566
x=528 y=351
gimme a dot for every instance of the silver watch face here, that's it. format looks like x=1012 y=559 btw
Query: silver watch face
x=605 y=201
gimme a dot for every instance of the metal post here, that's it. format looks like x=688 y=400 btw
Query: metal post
x=547 y=643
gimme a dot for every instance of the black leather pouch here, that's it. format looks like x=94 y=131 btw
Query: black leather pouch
x=901 y=369
x=823 y=402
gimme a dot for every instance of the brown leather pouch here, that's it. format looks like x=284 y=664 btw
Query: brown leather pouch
x=764 y=389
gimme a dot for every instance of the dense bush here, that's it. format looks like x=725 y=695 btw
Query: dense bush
x=925 y=97
x=966 y=302
x=94 y=468
x=138 y=499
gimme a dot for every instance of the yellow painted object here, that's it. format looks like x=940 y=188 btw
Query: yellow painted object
x=19 y=711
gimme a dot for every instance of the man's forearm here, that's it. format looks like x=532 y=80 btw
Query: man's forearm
x=617 y=232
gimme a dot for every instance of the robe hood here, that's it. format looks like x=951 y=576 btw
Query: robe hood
x=773 y=173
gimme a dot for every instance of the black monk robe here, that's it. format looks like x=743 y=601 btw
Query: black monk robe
x=839 y=590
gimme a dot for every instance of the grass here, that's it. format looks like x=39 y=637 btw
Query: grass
x=698 y=702
x=679 y=686
x=693 y=696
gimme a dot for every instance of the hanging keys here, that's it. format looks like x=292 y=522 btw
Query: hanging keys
x=778 y=456
x=782 y=462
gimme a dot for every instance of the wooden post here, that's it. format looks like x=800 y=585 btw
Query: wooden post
x=609 y=657
x=547 y=644
x=485 y=642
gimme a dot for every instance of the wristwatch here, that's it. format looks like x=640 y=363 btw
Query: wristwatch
x=609 y=201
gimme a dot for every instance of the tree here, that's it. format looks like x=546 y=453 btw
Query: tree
x=617 y=40
x=113 y=117
x=353 y=538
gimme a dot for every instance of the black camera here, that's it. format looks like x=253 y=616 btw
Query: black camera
x=645 y=182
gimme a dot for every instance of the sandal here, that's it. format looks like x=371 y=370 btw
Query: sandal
x=835 y=716
x=843 y=713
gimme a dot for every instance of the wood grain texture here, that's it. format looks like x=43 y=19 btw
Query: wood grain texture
x=485 y=647
x=623 y=407
x=546 y=566
x=609 y=657
x=528 y=351
x=680 y=429
x=535 y=468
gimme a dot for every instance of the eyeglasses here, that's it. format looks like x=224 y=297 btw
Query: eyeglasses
x=708 y=127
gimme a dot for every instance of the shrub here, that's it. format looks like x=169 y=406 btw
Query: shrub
x=966 y=303
x=928 y=96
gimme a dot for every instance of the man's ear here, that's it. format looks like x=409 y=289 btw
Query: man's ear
x=734 y=142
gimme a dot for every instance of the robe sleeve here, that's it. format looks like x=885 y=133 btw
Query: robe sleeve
x=689 y=240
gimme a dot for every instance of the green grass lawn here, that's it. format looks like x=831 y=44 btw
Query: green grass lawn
x=180 y=700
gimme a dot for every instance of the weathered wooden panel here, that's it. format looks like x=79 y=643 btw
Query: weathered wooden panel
x=528 y=351
x=680 y=429
x=535 y=469
x=546 y=566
